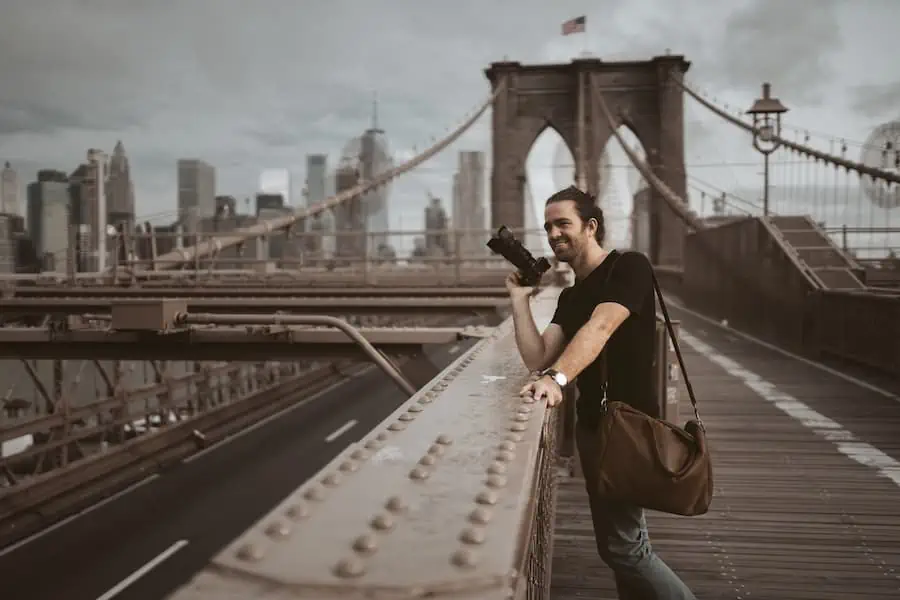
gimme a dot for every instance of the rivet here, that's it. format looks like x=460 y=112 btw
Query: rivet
x=496 y=481
x=463 y=558
x=480 y=516
x=314 y=493
x=427 y=460
x=331 y=480
x=524 y=410
x=373 y=444
x=507 y=445
x=382 y=522
x=528 y=400
x=420 y=473
x=397 y=426
x=250 y=552
x=520 y=418
x=365 y=544
x=444 y=439
x=436 y=449
x=407 y=417
x=505 y=456
x=348 y=466
x=297 y=511
x=349 y=567
x=472 y=535
x=517 y=427
x=359 y=454
x=486 y=497
x=441 y=386
x=513 y=437
x=415 y=408
x=497 y=468
x=395 y=504
x=382 y=436
x=278 y=530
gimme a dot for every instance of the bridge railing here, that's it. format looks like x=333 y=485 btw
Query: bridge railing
x=454 y=493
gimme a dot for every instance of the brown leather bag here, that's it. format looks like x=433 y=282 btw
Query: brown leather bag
x=649 y=462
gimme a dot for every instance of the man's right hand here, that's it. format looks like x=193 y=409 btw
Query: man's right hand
x=516 y=290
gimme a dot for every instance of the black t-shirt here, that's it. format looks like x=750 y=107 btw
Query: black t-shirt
x=625 y=279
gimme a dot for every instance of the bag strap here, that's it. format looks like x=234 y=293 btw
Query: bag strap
x=671 y=330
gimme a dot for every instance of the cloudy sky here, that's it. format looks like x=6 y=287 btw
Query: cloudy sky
x=254 y=85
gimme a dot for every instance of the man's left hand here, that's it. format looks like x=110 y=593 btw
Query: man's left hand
x=544 y=389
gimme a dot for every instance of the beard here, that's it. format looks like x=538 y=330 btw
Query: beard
x=564 y=250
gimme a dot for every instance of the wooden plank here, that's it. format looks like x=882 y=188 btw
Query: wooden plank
x=792 y=517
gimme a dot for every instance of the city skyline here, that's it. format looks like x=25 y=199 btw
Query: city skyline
x=228 y=99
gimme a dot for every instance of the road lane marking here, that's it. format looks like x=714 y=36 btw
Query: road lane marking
x=340 y=430
x=70 y=518
x=275 y=416
x=832 y=431
x=149 y=566
x=59 y=524
x=453 y=349
x=783 y=352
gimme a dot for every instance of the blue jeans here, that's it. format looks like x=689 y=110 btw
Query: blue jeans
x=623 y=541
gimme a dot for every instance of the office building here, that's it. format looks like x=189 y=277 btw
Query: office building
x=196 y=192
x=88 y=212
x=120 y=190
x=469 y=202
x=9 y=191
x=316 y=169
x=48 y=218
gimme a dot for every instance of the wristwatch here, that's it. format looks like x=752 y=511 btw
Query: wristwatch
x=560 y=379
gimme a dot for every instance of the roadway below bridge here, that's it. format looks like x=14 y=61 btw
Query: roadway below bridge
x=145 y=542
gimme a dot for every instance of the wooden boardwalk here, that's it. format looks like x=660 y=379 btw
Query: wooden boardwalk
x=807 y=502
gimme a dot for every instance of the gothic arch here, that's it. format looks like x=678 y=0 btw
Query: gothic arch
x=640 y=95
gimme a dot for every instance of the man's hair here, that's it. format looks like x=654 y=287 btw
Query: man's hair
x=586 y=206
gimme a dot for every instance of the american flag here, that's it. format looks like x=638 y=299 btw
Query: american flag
x=574 y=25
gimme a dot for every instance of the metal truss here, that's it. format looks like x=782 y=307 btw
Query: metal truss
x=10 y=308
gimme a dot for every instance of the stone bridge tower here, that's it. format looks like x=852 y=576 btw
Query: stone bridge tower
x=641 y=95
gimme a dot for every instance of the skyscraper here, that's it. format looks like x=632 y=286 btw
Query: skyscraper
x=48 y=217
x=196 y=192
x=316 y=167
x=9 y=190
x=87 y=192
x=349 y=217
x=468 y=202
x=120 y=189
x=368 y=154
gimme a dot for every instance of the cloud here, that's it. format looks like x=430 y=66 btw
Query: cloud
x=877 y=100
x=790 y=44
x=259 y=85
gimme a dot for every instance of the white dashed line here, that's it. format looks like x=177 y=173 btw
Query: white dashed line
x=340 y=430
x=861 y=452
x=160 y=558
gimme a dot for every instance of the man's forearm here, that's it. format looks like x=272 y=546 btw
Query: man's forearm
x=584 y=349
x=528 y=339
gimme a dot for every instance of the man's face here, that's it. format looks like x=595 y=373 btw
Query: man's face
x=567 y=233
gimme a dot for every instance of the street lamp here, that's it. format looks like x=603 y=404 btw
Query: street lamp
x=766 y=113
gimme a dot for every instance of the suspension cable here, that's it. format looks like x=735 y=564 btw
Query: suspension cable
x=182 y=255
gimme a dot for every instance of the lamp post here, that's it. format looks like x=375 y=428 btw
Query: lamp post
x=766 y=113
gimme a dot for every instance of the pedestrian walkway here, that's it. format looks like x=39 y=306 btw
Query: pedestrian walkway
x=807 y=490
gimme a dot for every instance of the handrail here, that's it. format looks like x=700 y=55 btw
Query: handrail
x=352 y=332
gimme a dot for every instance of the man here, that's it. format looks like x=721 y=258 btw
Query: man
x=607 y=316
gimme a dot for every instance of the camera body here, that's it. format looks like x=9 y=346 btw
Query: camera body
x=509 y=247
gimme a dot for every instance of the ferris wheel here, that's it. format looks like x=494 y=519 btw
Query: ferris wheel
x=882 y=151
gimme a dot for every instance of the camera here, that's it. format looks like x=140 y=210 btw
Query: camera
x=530 y=269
